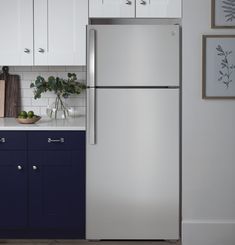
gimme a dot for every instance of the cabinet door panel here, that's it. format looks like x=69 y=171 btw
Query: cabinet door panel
x=60 y=32
x=16 y=23
x=158 y=8
x=56 y=189
x=13 y=189
x=111 y=8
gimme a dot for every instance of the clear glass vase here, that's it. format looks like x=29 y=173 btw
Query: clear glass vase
x=59 y=109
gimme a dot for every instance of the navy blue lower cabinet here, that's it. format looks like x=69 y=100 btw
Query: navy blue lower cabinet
x=13 y=189
x=57 y=190
x=42 y=188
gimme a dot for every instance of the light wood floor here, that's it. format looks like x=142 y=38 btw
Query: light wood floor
x=79 y=242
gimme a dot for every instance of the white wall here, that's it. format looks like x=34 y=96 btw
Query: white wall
x=208 y=143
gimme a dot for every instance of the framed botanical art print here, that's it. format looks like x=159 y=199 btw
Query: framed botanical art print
x=223 y=13
x=218 y=67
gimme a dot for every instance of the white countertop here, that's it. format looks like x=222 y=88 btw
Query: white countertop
x=73 y=124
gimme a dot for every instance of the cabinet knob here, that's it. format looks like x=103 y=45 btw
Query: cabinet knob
x=35 y=167
x=143 y=2
x=41 y=50
x=2 y=140
x=19 y=167
x=128 y=2
x=27 y=51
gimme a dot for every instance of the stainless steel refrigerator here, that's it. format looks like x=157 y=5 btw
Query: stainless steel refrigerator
x=132 y=161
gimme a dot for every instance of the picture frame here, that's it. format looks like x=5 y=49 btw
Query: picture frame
x=222 y=13
x=218 y=66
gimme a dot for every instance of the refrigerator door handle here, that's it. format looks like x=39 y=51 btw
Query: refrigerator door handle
x=91 y=61
x=91 y=84
x=91 y=106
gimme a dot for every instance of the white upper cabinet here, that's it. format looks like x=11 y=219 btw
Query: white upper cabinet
x=60 y=32
x=16 y=25
x=112 y=8
x=135 y=8
x=43 y=32
x=158 y=8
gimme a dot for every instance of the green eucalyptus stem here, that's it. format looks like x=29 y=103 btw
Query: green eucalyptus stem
x=50 y=112
x=56 y=106
x=60 y=106
x=63 y=107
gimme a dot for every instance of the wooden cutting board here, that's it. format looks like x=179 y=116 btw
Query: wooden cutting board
x=2 y=98
x=12 y=93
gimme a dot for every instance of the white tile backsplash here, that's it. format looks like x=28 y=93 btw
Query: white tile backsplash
x=25 y=83
x=74 y=101
x=39 y=102
x=28 y=74
x=40 y=68
x=47 y=74
x=75 y=68
x=48 y=95
x=43 y=110
x=26 y=101
x=26 y=93
x=22 y=68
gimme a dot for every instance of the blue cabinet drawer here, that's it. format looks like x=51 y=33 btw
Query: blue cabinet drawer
x=56 y=140
x=10 y=140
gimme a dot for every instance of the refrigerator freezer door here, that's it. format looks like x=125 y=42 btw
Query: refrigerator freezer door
x=133 y=169
x=136 y=55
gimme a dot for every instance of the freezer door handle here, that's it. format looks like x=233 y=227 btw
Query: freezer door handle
x=91 y=106
x=91 y=58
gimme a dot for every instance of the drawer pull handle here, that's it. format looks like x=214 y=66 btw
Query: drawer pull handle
x=41 y=50
x=2 y=140
x=60 y=140
x=35 y=167
x=19 y=167
x=27 y=51
x=143 y=2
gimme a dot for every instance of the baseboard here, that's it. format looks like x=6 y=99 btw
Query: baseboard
x=208 y=232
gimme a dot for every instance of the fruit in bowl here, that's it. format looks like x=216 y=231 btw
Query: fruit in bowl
x=27 y=118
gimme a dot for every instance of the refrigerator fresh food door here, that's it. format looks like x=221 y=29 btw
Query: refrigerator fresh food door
x=136 y=55
x=132 y=174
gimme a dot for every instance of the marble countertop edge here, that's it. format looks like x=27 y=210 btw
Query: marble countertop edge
x=72 y=124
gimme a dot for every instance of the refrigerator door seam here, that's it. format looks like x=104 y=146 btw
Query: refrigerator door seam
x=136 y=87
